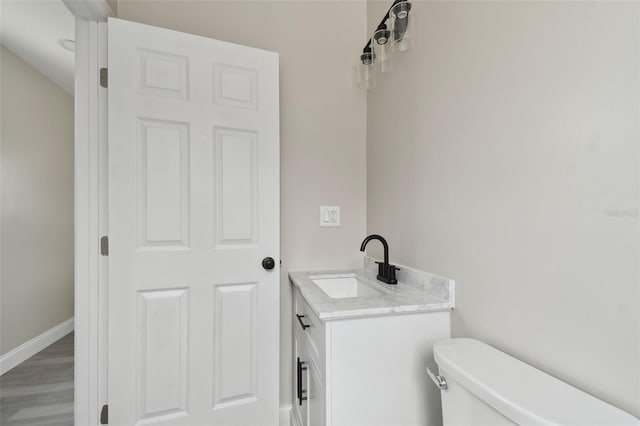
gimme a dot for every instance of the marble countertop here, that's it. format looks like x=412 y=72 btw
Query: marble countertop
x=416 y=291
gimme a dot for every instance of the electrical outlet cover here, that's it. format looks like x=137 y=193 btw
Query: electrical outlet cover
x=329 y=216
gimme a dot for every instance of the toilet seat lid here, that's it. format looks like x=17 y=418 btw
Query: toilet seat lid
x=519 y=391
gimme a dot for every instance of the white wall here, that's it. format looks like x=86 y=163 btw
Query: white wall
x=36 y=280
x=503 y=152
x=322 y=120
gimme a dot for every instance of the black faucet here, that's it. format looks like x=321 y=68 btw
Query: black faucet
x=386 y=272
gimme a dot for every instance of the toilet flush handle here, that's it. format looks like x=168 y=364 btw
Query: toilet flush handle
x=440 y=381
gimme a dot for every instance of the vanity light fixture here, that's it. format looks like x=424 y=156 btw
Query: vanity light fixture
x=377 y=53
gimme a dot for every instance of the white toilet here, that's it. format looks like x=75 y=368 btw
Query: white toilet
x=482 y=386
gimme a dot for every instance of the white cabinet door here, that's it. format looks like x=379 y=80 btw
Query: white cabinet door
x=315 y=396
x=193 y=210
x=301 y=382
x=308 y=387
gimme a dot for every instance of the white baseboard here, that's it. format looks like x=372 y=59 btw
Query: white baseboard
x=285 y=415
x=28 y=349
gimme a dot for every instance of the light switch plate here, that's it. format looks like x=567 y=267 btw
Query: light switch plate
x=329 y=216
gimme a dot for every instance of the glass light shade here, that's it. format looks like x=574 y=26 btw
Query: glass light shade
x=366 y=69
x=383 y=53
x=401 y=26
x=366 y=76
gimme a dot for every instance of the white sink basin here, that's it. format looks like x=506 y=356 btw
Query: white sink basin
x=341 y=287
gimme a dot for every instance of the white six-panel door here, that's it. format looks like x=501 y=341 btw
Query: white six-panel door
x=193 y=210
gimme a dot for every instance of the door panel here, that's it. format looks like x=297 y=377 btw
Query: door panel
x=236 y=167
x=162 y=349
x=193 y=209
x=163 y=182
x=235 y=343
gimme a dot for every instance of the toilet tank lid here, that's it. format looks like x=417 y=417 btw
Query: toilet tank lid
x=519 y=391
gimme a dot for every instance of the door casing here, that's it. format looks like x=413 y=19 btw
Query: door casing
x=90 y=221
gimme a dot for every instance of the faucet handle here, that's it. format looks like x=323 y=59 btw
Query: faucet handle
x=394 y=267
x=392 y=272
x=391 y=267
x=387 y=273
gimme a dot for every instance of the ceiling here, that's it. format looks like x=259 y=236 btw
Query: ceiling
x=32 y=29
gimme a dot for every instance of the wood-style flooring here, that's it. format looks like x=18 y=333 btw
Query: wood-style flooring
x=40 y=390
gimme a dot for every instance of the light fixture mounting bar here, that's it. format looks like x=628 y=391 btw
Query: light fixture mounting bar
x=382 y=24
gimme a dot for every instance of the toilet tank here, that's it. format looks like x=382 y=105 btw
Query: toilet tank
x=488 y=387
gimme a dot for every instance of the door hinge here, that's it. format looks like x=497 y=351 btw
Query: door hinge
x=104 y=246
x=104 y=77
x=104 y=415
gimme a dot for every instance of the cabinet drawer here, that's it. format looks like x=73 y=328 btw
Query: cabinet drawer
x=308 y=325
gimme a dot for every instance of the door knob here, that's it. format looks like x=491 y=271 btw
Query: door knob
x=268 y=263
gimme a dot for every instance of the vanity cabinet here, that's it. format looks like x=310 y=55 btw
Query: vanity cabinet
x=365 y=370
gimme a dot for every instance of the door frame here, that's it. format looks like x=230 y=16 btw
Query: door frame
x=90 y=180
